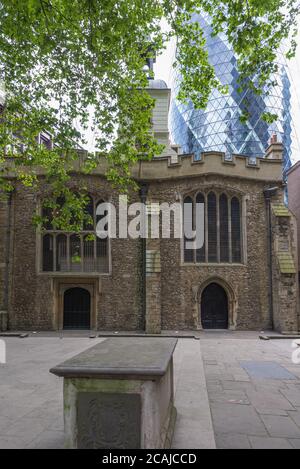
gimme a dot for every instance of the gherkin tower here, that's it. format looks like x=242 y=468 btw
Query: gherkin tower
x=218 y=127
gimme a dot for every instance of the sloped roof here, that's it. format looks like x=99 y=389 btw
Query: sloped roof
x=157 y=84
x=286 y=262
x=280 y=210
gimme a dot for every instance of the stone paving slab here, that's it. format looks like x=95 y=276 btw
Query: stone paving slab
x=194 y=428
x=295 y=443
x=50 y=439
x=266 y=370
x=229 y=397
x=295 y=415
x=269 y=443
x=269 y=402
x=237 y=419
x=292 y=394
x=281 y=426
x=232 y=441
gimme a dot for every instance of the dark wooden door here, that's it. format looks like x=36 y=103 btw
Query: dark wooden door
x=214 y=307
x=77 y=309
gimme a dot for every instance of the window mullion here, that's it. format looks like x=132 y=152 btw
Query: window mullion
x=229 y=230
x=206 y=228
x=54 y=252
x=94 y=214
x=95 y=253
x=194 y=228
x=243 y=212
x=81 y=253
x=218 y=227
x=68 y=254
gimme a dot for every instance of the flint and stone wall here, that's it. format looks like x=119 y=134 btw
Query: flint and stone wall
x=173 y=288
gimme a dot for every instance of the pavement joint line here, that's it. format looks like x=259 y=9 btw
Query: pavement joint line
x=278 y=337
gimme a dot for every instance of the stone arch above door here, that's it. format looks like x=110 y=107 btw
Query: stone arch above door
x=92 y=285
x=231 y=295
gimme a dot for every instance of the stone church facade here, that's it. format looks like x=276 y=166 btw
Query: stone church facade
x=244 y=276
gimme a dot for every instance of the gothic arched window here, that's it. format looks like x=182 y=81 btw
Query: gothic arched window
x=70 y=252
x=222 y=229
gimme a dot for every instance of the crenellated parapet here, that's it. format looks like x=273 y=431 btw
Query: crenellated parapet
x=240 y=166
x=187 y=165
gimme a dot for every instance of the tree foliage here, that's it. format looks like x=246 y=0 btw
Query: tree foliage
x=68 y=66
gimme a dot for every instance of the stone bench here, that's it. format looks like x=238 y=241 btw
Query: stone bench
x=119 y=394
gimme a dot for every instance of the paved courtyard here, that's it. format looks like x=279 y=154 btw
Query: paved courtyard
x=31 y=403
x=249 y=399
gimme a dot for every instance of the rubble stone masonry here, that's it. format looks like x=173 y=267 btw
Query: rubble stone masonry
x=173 y=288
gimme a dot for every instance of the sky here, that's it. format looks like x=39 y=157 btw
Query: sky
x=163 y=65
x=163 y=68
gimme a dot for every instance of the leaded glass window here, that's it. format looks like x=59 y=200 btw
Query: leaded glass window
x=74 y=252
x=222 y=229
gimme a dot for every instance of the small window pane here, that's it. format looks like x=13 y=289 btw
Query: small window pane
x=75 y=253
x=88 y=254
x=47 y=215
x=188 y=253
x=212 y=227
x=47 y=253
x=200 y=253
x=61 y=253
x=224 y=236
x=235 y=230
x=89 y=210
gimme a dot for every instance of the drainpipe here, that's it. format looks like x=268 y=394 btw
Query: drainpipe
x=268 y=194
x=143 y=195
x=7 y=256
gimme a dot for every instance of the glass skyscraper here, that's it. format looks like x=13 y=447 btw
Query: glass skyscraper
x=218 y=127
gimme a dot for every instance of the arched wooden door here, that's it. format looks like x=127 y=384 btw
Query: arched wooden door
x=77 y=309
x=214 y=307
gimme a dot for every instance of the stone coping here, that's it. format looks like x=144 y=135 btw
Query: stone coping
x=187 y=166
x=121 y=357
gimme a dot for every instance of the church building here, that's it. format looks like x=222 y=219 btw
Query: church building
x=244 y=277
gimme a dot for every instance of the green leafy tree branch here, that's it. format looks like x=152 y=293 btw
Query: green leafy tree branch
x=75 y=67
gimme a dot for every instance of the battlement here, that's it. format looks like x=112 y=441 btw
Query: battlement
x=187 y=165
x=179 y=166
